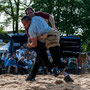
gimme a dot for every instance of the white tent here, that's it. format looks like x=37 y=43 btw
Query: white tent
x=4 y=48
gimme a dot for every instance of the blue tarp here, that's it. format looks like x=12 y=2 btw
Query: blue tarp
x=70 y=37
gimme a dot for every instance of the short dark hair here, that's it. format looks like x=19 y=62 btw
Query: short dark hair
x=27 y=18
x=28 y=9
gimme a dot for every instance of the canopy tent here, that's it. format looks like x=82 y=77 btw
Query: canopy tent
x=5 y=37
x=4 y=48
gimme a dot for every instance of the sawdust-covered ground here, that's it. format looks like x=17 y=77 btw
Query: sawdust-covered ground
x=44 y=82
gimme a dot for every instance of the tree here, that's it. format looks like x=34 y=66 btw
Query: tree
x=86 y=25
x=2 y=30
x=12 y=8
x=71 y=16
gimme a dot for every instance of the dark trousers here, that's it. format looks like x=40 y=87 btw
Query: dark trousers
x=55 y=54
x=42 y=59
x=36 y=66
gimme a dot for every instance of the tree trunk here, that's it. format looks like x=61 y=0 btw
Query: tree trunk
x=13 y=25
x=17 y=15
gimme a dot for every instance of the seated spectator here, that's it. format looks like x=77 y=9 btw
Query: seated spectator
x=21 y=50
x=18 y=54
x=24 y=47
x=73 y=67
x=66 y=62
x=3 y=59
x=0 y=65
x=6 y=59
x=12 y=65
x=4 y=55
x=7 y=52
x=15 y=57
x=22 y=66
x=79 y=63
x=28 y=63
x=23 y=55
x=34 y=54
x=26 y=52
x=0 y=60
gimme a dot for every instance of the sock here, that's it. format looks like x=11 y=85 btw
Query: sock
x=66 y=74
x=51 y=70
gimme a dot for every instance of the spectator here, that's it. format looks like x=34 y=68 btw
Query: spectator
x=0 y=60
x=33 y=53
x=24 y=47
x=4 y=55
x=12 y=65
x=66 y=62
x=73 y=66
x=18 y=55
x=21 y=50
x=26 y=52
x=22 y=66
x=79 y=63
x=28 y=63
x=6 y=59
x=15 y=57
x=0 y=65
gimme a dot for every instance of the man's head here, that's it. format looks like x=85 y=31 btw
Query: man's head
x=17 y=51
x=12 y=58
x=27 y=57
x=9 y=55
x=29 y=12
x=26 y=20
x=22 y=58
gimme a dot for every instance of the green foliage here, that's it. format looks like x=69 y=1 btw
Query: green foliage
x=2 y=30
x=66 y=13
x=22 y=31
x=13 y=11
x=70 y=15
